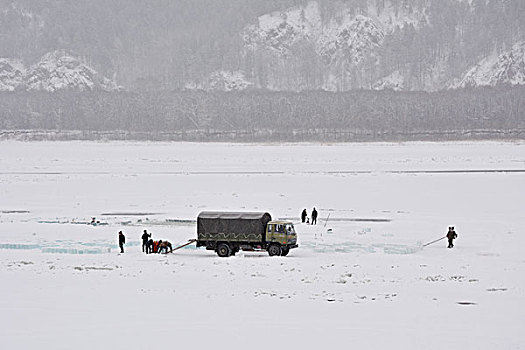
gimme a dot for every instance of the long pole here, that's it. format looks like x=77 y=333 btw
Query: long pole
x=185 y=244
x=328 y=217
x=437 y=240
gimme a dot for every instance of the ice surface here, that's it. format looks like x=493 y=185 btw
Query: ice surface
x=68 y=247
x=361 y=278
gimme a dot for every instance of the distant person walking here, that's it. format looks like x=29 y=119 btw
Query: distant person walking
x=314 y=217
x=121 y=241
x=145 y=237
x=303 y=216
x=451 y=235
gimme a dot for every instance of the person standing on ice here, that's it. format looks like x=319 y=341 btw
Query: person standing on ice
x=303 y=216
x=121 y=241
x=145 y=237
x=451 y=235
x=314 y=217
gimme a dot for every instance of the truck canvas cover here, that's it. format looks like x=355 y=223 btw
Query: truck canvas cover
x=232 y=226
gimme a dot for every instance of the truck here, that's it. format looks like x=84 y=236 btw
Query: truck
x=228 y=232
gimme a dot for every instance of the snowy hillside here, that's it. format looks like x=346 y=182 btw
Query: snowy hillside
x=506 y=68
x=349 y=33
x=285 y=45
x=11 y=74
x=351 y=40
x=346 y=42
x=56 y=70
x=281 y=45
x=279 y=31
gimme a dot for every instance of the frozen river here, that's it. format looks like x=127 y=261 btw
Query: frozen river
x=360 y=279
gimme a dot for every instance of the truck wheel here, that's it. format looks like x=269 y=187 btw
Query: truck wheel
x=224 y=250
x=274 y=250
x=285 y=251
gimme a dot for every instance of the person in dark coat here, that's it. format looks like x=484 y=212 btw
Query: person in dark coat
x=451 y=235
x=121 y=241
x=303 y=216
x=145 y=237
x=314 y=217
x=149 y=246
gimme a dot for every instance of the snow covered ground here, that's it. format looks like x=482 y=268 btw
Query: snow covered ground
x=361 y=280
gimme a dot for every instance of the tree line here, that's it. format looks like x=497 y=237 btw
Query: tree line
x=315 y=115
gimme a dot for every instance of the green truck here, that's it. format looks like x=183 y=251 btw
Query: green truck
x=228 y=232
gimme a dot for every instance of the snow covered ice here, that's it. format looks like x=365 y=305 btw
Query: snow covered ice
x=362 y=279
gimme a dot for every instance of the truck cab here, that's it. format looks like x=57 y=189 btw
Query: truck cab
x=282 y=235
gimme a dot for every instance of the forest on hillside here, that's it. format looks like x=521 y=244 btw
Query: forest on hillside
x=258 y=115
x=164 y=44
